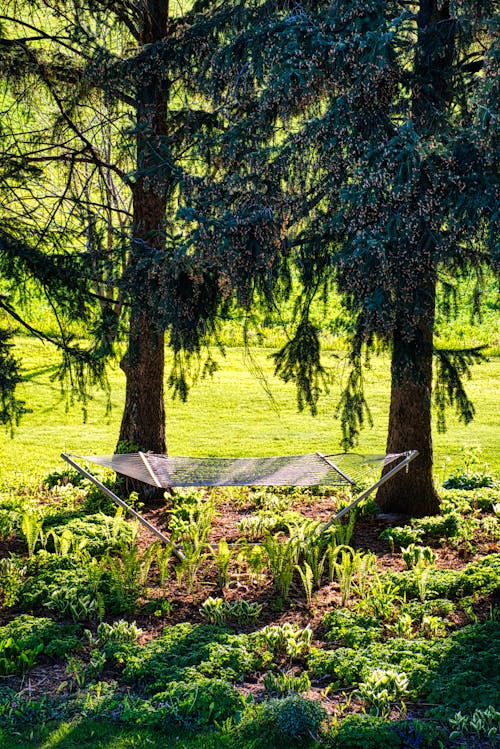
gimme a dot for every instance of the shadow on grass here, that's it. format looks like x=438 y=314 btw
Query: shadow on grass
x=89 y=734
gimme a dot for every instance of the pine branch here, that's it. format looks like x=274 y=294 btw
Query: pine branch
x=453 y=366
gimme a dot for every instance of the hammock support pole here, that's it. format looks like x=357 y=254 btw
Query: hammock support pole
x=124 y=505
x=409 y=456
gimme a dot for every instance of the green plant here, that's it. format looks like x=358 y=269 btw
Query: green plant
x=190 y=523
x=96 y=534
x=255 y=559
x=269 y=521
x=313 y=553
x=222 y=559
x=432 y=626
x=8 y=520
x=62 y=478
x=162 y=554
x=365 y=567
x=120 y=631
x=286 y=639
x=418 y=556
x=80 y=606
x=341 y=531
x=485 y=722
x=473 y=474
x=191 y=517
x=31 y=526
x=281 y=722
x=382 y=688
x=307 y=577
x=381 y=600
x=295 y=716
x=421 y=577
x=399 y=536
x=68 y=586
x=343 y=569
x=193 y=557
x=271 y=499
x=352 y=629
x=362 y=731
x=282 y=555
x=26 y=637
x=219 y=611
x=125 y=576
x=403 y=626
x=283 y=684
x=197 y=704
x=16 y=659
x=439 y=526
x=12 y=574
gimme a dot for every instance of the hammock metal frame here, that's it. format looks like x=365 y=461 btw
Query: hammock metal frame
x=152 y=478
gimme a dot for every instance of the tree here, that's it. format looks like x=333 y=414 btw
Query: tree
x=96 y=101
x=365 y=133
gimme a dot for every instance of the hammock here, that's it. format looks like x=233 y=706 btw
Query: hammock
x=314 y=469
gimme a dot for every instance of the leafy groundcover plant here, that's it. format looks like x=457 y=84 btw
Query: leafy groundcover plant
x=385 y=648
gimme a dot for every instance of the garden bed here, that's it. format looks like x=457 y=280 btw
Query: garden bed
x=383 y=634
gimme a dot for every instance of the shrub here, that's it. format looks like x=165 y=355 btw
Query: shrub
x=276 y=722
x=198 y=704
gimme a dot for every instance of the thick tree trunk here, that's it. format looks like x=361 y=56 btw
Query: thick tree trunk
x=413 y=492
x=143 y=421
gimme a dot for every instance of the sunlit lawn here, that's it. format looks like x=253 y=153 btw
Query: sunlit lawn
x=229 y=414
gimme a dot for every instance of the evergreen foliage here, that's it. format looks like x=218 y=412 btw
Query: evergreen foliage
x=360 y=150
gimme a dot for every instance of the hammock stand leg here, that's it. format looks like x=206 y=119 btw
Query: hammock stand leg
x=409 y=456
x=115 y=498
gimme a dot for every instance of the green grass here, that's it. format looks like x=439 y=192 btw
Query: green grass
x=89 y=734
x=228 y=414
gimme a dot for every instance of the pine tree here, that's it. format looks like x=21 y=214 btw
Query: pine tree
x=360 y=149
x=97 y=101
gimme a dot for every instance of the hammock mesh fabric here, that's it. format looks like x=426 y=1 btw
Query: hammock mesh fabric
x=314 y=469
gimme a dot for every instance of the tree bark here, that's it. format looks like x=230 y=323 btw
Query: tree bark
x=143 y=420
x=413 y=492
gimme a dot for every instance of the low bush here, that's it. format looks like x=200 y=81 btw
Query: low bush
x=196 y=704
x=187 y=651
x=282 y=722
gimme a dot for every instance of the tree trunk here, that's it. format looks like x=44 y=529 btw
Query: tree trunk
x=143 y=421
x=413 y=492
